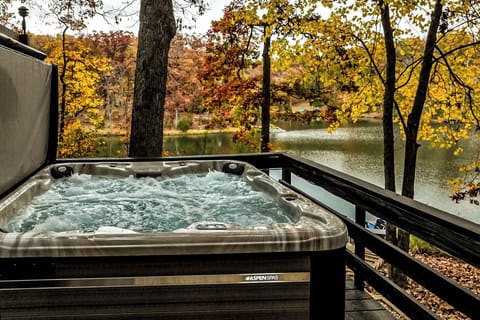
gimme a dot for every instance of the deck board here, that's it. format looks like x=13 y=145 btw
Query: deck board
x=361 y=306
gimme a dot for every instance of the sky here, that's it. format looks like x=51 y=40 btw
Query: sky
x=37 y=23
x=215 y=12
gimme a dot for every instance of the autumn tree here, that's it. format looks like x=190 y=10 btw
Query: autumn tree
x=425 y=84
x=186 y=58
x=116 y=84
x=78 y=73
x=320 y=65
x=80 y=98
x=366 y=55
x=72 y=16
x=150 y=78
x=230 y=93
x=269 y=20
x=245 y=28
x=467 y=186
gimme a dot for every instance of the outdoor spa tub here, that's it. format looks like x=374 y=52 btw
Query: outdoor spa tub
x=194 y=239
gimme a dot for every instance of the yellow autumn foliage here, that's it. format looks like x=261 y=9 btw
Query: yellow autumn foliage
x=345 y=52
x=80 y=73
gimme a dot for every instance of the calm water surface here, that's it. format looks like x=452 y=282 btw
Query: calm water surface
x=358 y=151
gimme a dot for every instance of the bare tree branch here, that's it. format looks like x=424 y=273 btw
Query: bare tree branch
x=468 y=45
x=242 y=64
x=379 y=73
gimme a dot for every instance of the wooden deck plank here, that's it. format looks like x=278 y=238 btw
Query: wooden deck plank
x=369 y=315
x=361 y=306
x=354 y=294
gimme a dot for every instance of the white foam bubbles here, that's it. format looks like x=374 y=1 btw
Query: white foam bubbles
x=87 y=203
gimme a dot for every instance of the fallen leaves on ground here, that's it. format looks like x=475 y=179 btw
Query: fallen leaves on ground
x=465 y=274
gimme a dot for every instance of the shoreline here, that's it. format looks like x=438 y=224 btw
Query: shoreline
x=170 y=132
x=196 y=132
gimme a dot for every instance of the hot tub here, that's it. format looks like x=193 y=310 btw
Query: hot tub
x=290 y=267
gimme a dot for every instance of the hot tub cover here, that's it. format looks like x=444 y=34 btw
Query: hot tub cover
x=25 y=84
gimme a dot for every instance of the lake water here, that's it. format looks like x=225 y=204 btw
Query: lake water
x=358 y=150
x=355 y=150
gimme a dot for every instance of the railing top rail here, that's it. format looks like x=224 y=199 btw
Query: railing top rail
x=451 y=233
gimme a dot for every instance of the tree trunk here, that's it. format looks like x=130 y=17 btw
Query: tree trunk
x=413 y=124
x=388 y=101
x=265 y=147
x=63 y=93
x=157 y=28
x=388 y=136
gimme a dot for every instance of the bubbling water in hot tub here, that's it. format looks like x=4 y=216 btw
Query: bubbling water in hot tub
x=86 y=203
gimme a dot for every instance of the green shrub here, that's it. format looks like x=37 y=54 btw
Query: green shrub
x=184 y=124
x=418 y=245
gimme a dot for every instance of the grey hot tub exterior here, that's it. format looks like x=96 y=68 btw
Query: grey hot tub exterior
x=280 y=271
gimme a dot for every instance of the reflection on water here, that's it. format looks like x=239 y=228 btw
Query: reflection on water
x=355 y=150
x=186 y=145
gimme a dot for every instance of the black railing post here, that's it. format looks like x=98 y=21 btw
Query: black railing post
x=360 y=217
x=287 y=175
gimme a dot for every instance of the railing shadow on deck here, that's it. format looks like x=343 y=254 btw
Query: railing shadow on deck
x=454 y=235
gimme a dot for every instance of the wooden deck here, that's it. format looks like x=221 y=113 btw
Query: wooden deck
x=361 y=306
